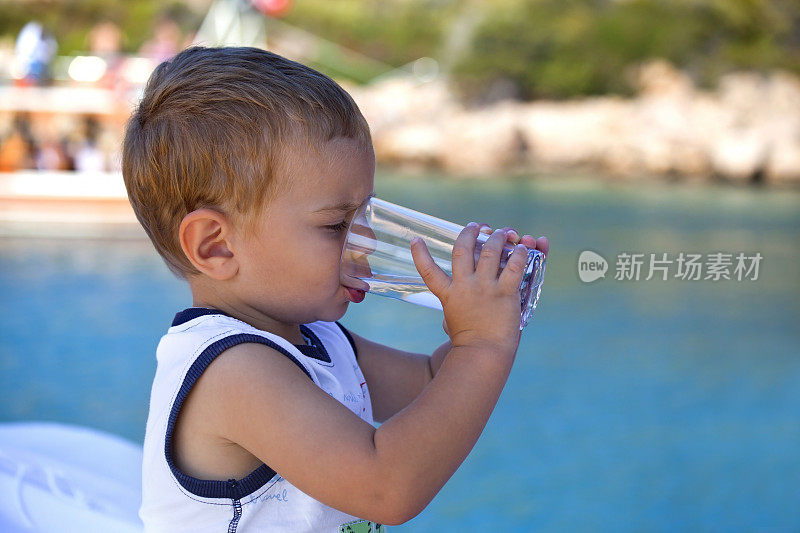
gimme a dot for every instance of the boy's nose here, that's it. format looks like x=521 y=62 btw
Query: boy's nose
x=361 y=242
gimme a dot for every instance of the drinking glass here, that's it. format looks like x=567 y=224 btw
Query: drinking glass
x=377 y=258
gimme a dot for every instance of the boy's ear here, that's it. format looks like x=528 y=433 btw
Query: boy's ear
x=205 y=237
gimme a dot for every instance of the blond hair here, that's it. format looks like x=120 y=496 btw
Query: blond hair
x=214 y=129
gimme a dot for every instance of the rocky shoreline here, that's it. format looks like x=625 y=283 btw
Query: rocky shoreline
x=746 y=130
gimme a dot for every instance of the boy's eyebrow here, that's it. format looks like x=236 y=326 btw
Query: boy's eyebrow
x=342 y=207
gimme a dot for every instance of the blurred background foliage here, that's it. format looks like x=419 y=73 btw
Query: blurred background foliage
x=568 y=48
x=528 y=49
x=395 y=32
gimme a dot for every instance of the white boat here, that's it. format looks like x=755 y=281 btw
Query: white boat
x=66 y=204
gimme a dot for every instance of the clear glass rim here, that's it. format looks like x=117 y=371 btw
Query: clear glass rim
x=358 y=210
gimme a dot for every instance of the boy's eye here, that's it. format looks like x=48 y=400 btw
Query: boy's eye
x=341 y=226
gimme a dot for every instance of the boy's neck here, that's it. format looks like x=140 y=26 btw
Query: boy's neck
x=240 y=311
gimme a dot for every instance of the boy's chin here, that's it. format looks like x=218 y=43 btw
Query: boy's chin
x=334 y=312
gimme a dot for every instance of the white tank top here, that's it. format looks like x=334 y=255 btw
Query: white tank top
x=173 y=501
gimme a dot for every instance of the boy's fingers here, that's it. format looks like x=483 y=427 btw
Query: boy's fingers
x=511 y=276
x=464 y=252
x=543 y=245
x=489 y=260
x=512 y=234
x=540 y=244
x=528 y=241
x=434 y=277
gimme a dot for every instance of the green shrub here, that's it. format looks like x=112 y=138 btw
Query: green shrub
x=569 y=48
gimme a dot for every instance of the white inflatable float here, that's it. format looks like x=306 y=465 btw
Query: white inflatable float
x=59 y=478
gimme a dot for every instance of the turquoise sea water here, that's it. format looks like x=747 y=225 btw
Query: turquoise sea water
x=633 y=405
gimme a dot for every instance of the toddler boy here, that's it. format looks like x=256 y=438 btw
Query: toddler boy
x=245 y=168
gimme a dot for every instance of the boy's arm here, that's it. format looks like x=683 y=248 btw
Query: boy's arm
x=258 y=399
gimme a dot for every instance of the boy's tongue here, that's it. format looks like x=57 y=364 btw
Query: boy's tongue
x=356 y=295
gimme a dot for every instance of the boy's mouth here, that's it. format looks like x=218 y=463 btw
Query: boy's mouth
x=356 y=295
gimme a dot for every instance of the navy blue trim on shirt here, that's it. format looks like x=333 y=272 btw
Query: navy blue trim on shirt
x=193 y=312
x=315 y=350
x=218 y=488
x=349 y=338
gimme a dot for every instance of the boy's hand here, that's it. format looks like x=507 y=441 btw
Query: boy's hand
x=531 y=242
x=480 y=306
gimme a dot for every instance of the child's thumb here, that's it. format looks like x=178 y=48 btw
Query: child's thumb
x=434 y=277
